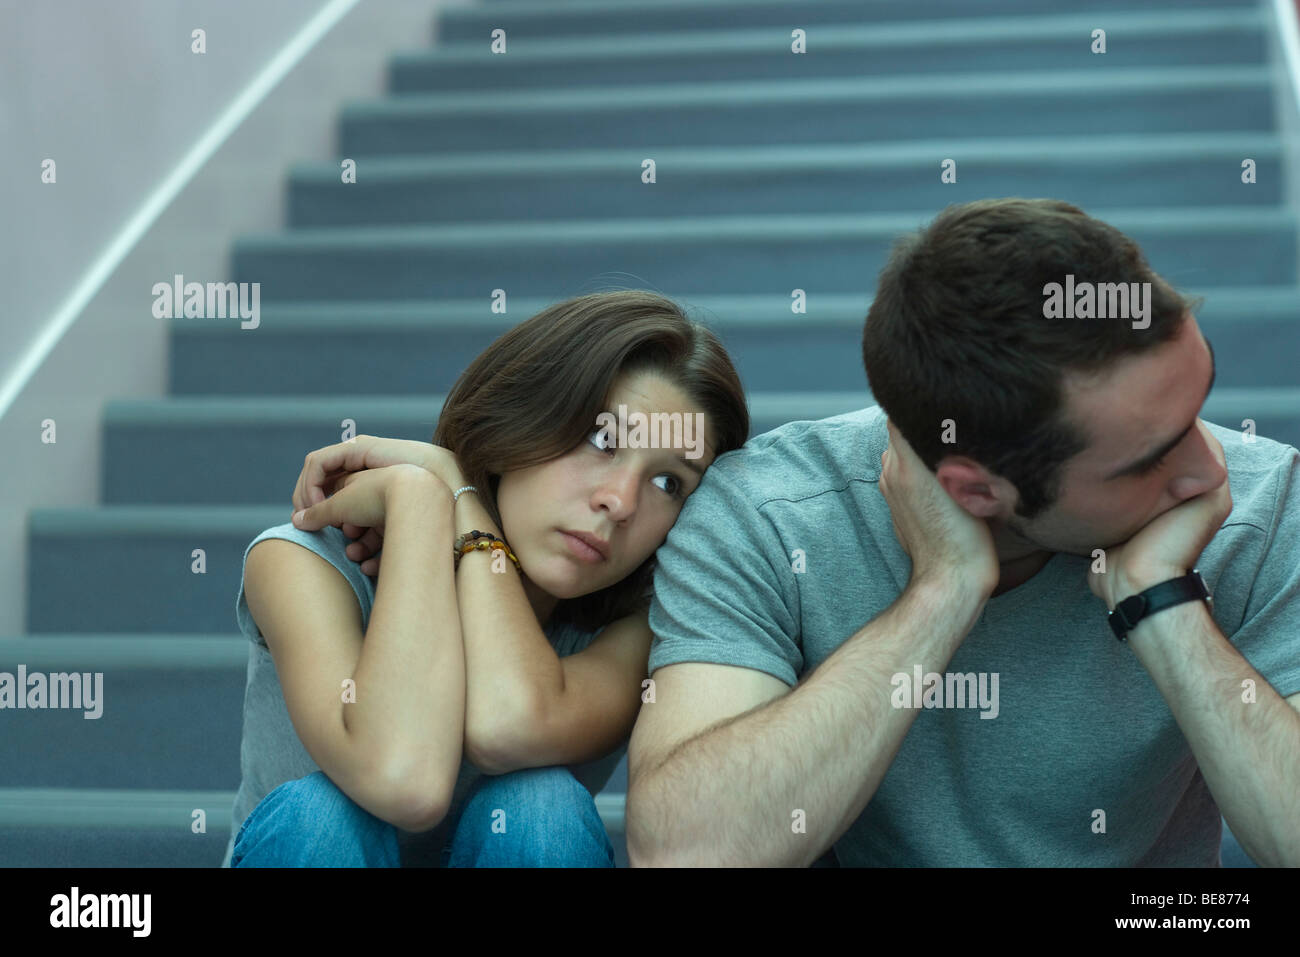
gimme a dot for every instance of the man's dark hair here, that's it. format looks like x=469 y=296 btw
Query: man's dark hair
x=956 y=331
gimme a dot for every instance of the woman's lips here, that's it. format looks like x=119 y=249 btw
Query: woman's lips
x=582 y=550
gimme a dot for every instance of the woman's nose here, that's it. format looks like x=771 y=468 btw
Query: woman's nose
x=618 y=493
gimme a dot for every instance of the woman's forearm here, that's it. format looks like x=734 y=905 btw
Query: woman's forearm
x=511 y=670
x=410 y=678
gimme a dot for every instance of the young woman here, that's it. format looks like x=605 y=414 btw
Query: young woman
x=464 y=709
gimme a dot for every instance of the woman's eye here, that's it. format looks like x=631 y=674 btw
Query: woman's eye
x=678 y=486
x=676 y=490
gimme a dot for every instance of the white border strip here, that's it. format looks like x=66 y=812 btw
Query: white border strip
x=1285 y=54
x=121 y=245
x=1288 y=33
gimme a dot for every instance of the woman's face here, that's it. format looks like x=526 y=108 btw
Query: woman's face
x=626 y=497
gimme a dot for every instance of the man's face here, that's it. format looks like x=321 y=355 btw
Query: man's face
x=1142 y=412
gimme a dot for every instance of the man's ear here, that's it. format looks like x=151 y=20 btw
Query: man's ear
x=972 y=487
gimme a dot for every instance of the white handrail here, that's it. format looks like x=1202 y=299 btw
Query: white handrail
x=1286 y=61
x=161 y=197
x=1288 y=34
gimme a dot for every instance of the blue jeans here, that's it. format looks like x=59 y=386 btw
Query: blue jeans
x=549 y=820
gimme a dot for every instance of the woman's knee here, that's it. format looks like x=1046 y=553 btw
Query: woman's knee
x=531 y=788
x=532 y=817
x=310 y=822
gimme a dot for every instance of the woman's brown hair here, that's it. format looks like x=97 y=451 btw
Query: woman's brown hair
x=535 y=393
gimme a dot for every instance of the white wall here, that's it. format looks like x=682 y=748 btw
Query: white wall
x=112 y=92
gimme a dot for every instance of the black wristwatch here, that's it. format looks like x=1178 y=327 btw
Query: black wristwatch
x=1133 y=609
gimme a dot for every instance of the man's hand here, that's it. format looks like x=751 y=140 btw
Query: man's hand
x=944 y=541
x=1168 y=546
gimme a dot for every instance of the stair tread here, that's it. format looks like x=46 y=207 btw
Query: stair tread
x=959 y=31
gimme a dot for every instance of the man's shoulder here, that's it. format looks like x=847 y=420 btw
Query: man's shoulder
x=1249 y=450
x=1260 y=470
x=805 y=456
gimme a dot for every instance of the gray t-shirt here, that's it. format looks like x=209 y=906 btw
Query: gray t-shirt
x=271 y=753
x=1080 y=726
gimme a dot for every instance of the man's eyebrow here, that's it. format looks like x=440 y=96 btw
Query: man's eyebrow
x=1165 y=447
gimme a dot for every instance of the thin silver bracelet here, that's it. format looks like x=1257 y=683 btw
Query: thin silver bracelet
x=456 y=495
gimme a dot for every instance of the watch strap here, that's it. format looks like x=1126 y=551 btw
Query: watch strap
x=1135 y=608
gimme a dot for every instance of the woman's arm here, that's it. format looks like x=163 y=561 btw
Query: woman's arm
x=512 y=672
x=510 y=666
x=383 y=717
x=414 y=673
x=525 y=706
x=597 y=709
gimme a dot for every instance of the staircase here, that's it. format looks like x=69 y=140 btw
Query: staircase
x=775 y=171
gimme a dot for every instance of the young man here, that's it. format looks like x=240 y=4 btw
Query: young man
x=907 y=657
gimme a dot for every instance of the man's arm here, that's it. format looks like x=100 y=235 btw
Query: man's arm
x=1248 y=750
x=704 y=792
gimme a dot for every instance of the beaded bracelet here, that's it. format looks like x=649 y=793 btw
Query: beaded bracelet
x=481 y=541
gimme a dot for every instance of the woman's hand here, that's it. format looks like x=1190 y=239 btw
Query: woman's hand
x=361 y=499
x=325 y=469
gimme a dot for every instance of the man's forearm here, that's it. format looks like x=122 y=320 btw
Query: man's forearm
x=1247 y=750
x=730 y=796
